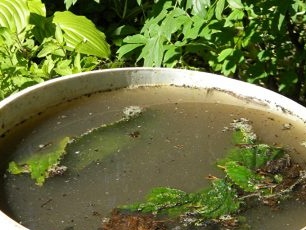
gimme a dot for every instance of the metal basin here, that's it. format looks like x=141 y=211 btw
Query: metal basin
x=29 y=102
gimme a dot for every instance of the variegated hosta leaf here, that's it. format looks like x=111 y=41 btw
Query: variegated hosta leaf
x=37 y=7
x=81 y=34
x=14 y=14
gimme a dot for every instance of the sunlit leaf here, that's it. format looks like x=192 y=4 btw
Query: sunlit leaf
x=199 y=7
x=37 y=7
x=81 y=34
x=225 y=53
x=69 y=3
x=219 y=9
x=14 y=14
x=235 y=4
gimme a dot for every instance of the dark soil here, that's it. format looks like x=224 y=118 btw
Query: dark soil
x=132 y=221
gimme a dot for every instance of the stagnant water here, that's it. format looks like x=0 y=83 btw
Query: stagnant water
x=176 y=147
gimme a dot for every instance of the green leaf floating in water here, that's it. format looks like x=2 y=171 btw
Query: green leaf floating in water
x=242 y=176
x=245 y=177
x=81 y=151
x=220 y=199
x=42 y=164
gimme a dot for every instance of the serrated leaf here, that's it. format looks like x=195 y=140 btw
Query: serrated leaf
x=220 y=199
x=173 y=22
x=14 y=14
x=154 y=44
x=81 y=34
x=243 y=177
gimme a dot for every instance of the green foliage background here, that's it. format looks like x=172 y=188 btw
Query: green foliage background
x=261 y=42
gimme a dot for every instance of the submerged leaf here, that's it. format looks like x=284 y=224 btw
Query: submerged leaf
x=214 y=202
x=42 y=164
x=242 y=176
x=252 y=156
x=80 y=151
x=220 y=199
x=107 y=139
x=161 y=199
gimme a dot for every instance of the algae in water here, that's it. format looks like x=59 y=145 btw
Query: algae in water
x=100 y=142
x=89 y=147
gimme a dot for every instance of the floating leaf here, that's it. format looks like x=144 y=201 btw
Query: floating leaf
x=242 y=176
x=160 y=199
x=41 y=164
x=83 y=150
x=220 y=199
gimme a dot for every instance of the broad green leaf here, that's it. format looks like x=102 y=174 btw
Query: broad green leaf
x=199 y=7
x=163 y=198
x=126 y=48
x=131 y=43
x=63 y=67
x=81 y=34
x=235 y=4
x=173 y=22
x=225 y=53
x=153 y=52
x=37 y=7
x=219 y=9
x=41 y=164
x=51 y=46
x=14 y=14
x=137 y=38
